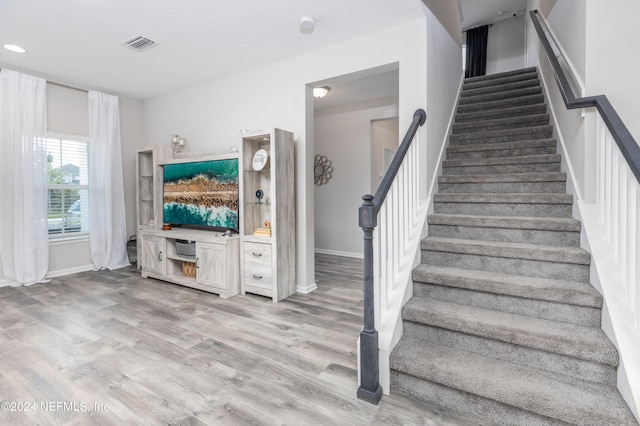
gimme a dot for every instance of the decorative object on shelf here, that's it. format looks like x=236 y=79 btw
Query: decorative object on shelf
x=260 y=159
x=189 y=269
x=179 y=144
x=259 y=195
x=322 y=170
x=265 y=231
x=166 y=227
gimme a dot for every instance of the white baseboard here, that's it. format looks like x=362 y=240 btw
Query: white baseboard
x=306 y=289
x=74 y=270
x=340 y=253
x=3 y=283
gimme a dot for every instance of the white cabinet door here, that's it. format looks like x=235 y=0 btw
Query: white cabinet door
x=153 y=254
x=210 y=265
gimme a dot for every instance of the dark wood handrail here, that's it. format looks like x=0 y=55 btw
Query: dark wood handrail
x=625 y=141
x=370 y=389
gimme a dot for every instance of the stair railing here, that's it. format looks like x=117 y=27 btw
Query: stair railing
x=615 y=213
x=618 y=180
x=395 y=207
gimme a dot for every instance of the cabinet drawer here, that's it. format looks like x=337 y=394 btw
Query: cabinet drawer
x=257 y=266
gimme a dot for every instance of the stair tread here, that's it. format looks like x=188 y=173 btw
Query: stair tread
x=551 y=198
x=500 y=95
x=512 y=222
x=501 y=133
x=547 y=394
x=499 y=75
x=514 y=111
x=561 y=291
x=501 y=103
x=496 y=161
x=505 y=177
x=520 y=119
x=529 y=143
x=539 y=252
x=505 y=86
x=578 y=341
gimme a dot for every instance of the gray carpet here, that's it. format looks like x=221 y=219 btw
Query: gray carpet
x=504 y=324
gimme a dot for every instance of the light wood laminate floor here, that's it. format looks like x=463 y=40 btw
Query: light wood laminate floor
x=112 y=348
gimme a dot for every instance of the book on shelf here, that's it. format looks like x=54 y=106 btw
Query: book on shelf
x=263 y=232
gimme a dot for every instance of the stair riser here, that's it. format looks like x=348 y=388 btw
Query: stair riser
x=499 y=96
x=515 y=136
x=502 y=187
x=504 y=209
x=516 y=235
x=531 y=268
x=493 y=153
x=491 y=411
x=460 y=129
x=520 y=111
x=546 y=361
x=508 y=103
x=574 y=314
x=501 y=169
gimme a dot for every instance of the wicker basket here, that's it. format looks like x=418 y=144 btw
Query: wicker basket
x=189 y=269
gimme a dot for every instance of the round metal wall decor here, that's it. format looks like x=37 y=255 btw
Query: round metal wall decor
x=322 y=169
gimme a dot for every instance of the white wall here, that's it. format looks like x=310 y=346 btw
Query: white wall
x=345 y=138
x=568 y=21
x=211 y=115
x=444 y=71
x=505 y=46
x=611 y=61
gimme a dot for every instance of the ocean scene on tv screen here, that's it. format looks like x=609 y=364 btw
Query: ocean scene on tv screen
x=203 y=193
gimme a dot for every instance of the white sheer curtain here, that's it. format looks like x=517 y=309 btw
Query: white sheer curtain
x=107 y=223
x=24 y=233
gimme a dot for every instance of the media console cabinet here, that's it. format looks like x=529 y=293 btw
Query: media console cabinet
x=215 y=267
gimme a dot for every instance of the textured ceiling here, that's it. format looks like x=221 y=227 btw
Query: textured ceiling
x=78 y=42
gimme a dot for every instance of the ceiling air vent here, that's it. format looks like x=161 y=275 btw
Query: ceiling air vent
x=140 y=43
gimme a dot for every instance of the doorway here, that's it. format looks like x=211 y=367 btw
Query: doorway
x=342 y=135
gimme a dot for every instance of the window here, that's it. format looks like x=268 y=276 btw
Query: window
x=68 y=182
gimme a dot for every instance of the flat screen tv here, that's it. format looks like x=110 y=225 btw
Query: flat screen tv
x=202 y=194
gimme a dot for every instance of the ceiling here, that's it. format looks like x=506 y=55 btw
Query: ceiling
x=79 y=43
x=360 y=88
x=481 y=12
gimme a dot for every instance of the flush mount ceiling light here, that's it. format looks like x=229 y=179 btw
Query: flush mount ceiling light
x=14 y=48
x=320 y=92
x=306 y=24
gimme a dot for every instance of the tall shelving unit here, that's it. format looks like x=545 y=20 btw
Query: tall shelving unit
x=149 y=189
x=268 y=261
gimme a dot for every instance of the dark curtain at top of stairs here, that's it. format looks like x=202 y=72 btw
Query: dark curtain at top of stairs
x=477 y=51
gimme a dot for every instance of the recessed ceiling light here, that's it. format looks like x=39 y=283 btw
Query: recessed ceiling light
x=14 y=48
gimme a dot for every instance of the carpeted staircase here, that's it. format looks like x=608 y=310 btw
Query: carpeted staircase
x=504 y=324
